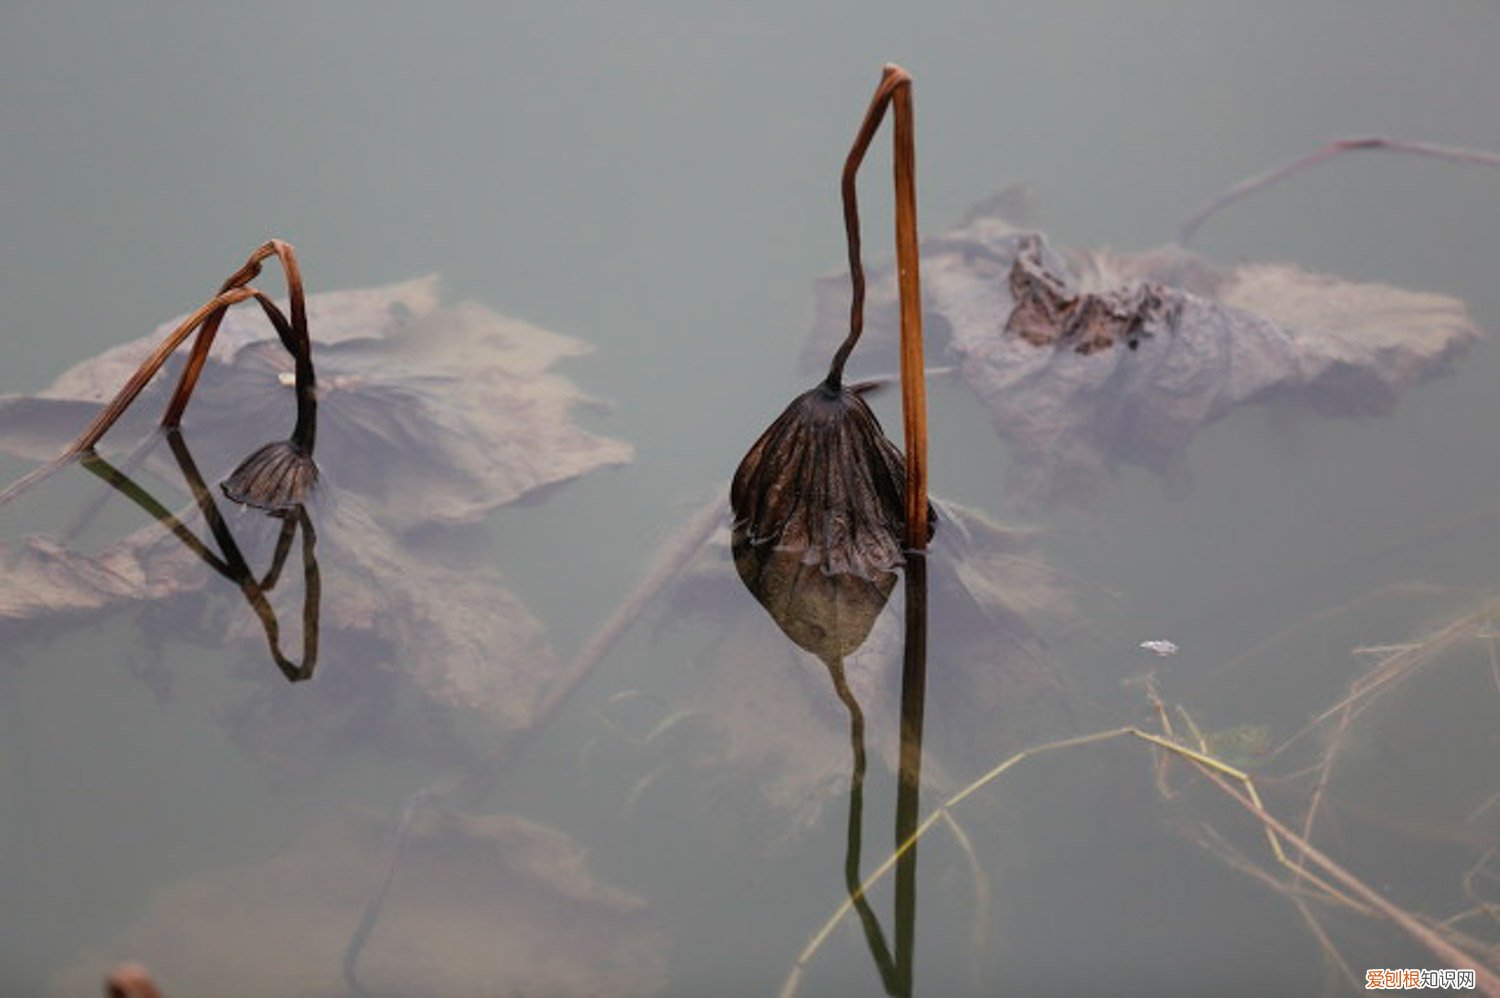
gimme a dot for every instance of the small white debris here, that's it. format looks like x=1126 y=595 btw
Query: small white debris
x=1162 y=648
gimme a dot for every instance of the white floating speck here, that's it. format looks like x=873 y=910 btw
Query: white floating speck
x=1162 y=648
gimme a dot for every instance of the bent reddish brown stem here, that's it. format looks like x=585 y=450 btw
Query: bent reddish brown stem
x=207 y=320
x=133 y=386
x=298 y=344
x=1325 y=152
x=892 y=77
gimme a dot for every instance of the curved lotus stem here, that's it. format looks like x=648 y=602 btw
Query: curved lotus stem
x=1324 y=152
x=293 y=335
x=891 y=77
x=229 y=561
x=137 y=381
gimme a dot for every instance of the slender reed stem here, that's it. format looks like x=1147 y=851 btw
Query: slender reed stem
x=1323 y=153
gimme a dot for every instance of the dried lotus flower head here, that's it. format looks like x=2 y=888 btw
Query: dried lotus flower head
x=276 y=477
x=823 y=481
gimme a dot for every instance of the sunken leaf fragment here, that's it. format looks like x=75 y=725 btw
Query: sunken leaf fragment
x=43 y=578
x=453 y=630
x=1088 y=359
x=493 y=905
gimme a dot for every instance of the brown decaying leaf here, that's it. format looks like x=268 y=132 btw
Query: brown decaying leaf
x=1206 y=339
x=494 y=905
x=429 y=413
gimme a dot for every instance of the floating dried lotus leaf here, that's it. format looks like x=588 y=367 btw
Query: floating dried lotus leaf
x=493 y=905
x=429 y=413
x=1205 y=340
x=424 y=414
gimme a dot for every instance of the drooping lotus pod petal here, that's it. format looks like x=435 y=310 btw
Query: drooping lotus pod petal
x=823 y=481
x=277 y=477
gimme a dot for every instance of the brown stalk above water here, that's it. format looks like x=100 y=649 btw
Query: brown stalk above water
x=276 y=477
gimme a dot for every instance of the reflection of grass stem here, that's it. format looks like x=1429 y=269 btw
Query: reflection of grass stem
x=1214 y=843
x=1220 y=774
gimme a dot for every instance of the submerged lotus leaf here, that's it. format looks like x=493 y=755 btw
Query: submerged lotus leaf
x=44 y=578
x=771 y=710
x=424 y=414
x=429 y=413
x=453 y=631
x=1088 y=359
x=493 y=905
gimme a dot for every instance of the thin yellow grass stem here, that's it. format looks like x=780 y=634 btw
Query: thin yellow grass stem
x=1487 y=980
x=1219 y=773
x=980 y=923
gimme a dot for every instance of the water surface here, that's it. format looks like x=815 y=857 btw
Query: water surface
x=659 y=181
